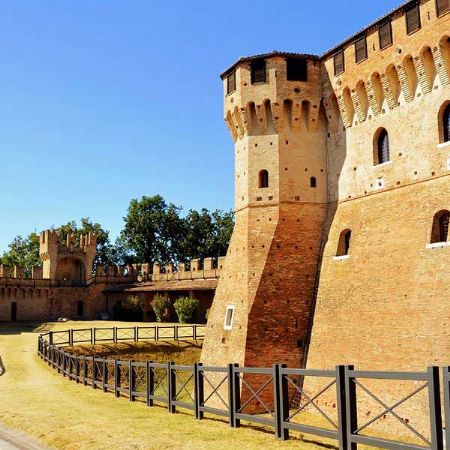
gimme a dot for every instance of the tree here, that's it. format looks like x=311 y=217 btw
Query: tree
x=206 y=234
x=152 y=229
x=23 y=252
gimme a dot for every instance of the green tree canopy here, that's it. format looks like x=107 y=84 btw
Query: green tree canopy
x=23 y=252
x=156 y=231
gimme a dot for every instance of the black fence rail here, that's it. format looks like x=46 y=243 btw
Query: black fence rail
x=117 y=334
x=261 y=396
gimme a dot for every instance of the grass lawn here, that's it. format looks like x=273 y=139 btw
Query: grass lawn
x=65 y=415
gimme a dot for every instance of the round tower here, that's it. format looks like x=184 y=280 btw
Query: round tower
x=261 y=310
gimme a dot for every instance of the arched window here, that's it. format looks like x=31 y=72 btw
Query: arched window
x=263 y=179
x=382 y=152
x=344 y=243
x=313 y=182
x=439 y=232
x=446 y=123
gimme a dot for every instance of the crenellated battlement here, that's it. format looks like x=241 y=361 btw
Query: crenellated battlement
x=265 y=97
x=385 y=85
x=67 y=261
x=144 y=272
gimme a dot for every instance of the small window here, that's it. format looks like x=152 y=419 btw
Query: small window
x=344 y=243
x=297 y=69
x=80 y=308
x=361 y=49
x=231 y=82
x=385 y=35
x=439 y=232
x=339 y=64
x=413 y=19
x=258 y=69
x=446 y=123
x=383 y=153
x=313 y=182
x=442 y=7
x=263 y=179
x=229 y=316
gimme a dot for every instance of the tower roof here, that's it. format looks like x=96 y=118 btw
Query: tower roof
x=274 y=53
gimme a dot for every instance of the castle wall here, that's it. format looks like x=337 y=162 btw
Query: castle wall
x=387 y=298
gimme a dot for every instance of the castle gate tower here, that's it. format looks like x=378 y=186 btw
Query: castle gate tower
x=262 y=306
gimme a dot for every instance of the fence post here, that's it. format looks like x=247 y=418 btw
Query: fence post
x=194 y=332
x=157 y=333
x=63 y=364
x=150 y=383
x=341 y=410
x=71 y=337
x=172 y=387
x=280 y=401
x=116 y=378
x=104 y=375
x=115 y=335
x=198 y=391
x=92 y=336
x=50 y=338
x=131 y=380
x=351 y=408
x=85 y=371
x=70 y=366
x=77 y=369
x=234 y=390
x=135 y=334
x=175 y=333
x=94 y=372
x=435 y=408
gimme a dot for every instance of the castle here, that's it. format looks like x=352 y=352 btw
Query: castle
x=341 y=252
x=66 y=285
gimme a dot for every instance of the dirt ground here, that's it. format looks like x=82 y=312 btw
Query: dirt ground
x=64 y=415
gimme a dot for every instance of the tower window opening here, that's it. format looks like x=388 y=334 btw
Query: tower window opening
x=263 y=179
x=339 y=63
x=439 y=232
x=385 y=35
x=80 y=308
x=297 y=69
x=361 y=49
x=229 y=315
x=313 y=182
x=413 y=19
x=258 y=71
x=442 y=7
x=344 y=243
x=231 y=82
x=382 y=153
x=446 y=123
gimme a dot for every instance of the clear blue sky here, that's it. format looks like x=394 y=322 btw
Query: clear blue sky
x=104 y=101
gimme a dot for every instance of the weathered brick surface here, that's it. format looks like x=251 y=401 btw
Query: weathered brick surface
x=384 y=307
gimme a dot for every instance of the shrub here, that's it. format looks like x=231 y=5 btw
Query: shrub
x=185 y=308
x=162 y=308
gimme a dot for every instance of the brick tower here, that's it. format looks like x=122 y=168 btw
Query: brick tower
x=67 y=262
x=262 y=305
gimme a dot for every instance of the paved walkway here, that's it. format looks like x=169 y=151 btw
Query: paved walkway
x=14 y=440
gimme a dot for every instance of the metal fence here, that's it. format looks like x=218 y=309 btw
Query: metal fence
x=261 y=396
